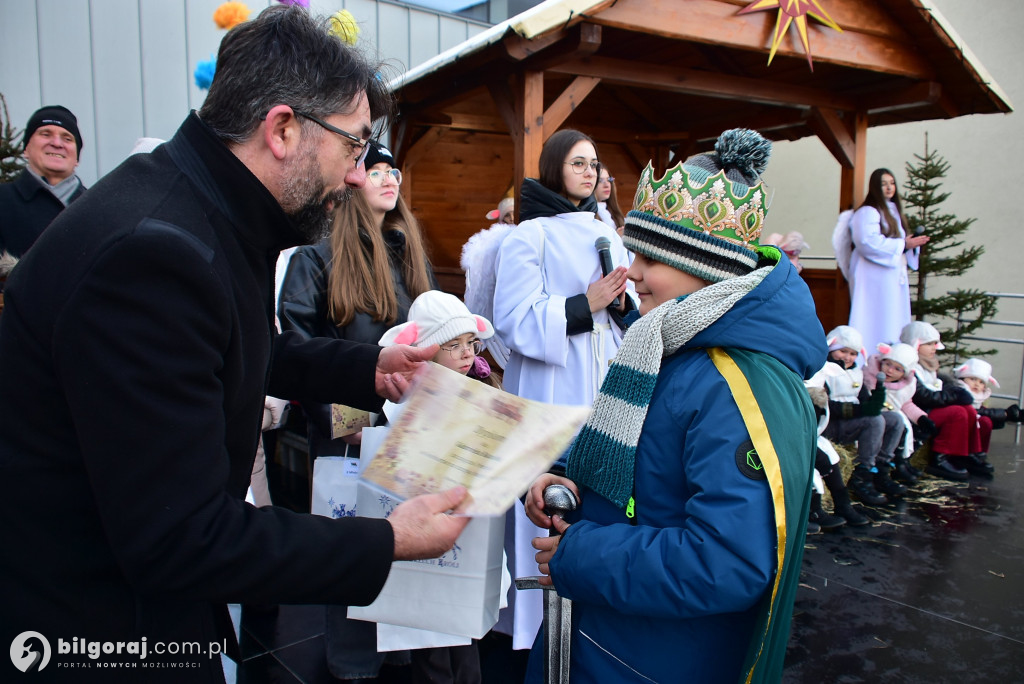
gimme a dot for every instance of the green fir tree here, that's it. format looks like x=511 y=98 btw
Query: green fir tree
x=10 y=146
x=944 y=256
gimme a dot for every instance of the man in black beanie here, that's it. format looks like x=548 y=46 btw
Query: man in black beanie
x=47 y=184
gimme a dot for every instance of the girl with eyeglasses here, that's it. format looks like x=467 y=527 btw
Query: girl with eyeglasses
x=354 y=285
x=553 y=308
x=440 y=318
x=437 y=317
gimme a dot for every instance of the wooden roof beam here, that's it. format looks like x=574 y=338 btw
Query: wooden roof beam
x=585 y=40
x=690 y=82
x=519 y=48
x=926 y=93
x=835 y=135
x=505 y=101
x=654 y=119
x=877 y=44
x=421 y=147
x=566 y=103
x=487 y=72
x=462 y=121
x=705 y=131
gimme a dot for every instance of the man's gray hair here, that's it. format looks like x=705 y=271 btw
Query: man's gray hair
x=284 y=56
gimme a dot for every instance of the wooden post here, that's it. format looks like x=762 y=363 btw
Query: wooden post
x=852 y=190
x=530 y=112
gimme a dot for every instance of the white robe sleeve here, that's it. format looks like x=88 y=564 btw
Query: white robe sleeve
x=865 y=226
x=531 y=321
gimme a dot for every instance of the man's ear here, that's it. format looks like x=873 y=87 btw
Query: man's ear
x=281 y=131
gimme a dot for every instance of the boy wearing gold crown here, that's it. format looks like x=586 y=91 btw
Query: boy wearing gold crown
x=694 y=470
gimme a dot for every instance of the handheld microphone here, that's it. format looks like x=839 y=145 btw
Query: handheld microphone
x=604 y=255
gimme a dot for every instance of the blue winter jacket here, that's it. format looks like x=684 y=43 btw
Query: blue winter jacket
x=675 y=597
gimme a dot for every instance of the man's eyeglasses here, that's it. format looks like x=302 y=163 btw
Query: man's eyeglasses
x=456 y=349
x=377 y=177
x=579 y=166
x=364 y=145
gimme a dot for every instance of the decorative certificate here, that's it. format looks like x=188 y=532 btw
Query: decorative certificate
x=455 y=430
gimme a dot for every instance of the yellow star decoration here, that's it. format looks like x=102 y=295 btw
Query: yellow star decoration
x=792 y=11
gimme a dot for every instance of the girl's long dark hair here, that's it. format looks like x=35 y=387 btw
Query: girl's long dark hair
x=876 y=200
x=361 y=280
x=612 y=205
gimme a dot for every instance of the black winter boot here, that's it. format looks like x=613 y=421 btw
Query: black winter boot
x=976 y=464
x=901 y=468
x=841 y=500
x=861 y=485
x=826 y=521
x=942 y=467
x=884 y=482
x=901 y=472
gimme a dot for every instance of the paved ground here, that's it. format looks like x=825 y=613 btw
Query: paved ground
x=932 y=592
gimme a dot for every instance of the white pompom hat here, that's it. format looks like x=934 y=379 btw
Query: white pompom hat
x=436 y=317
x=845 y=337
x=976 y=368
x=901 y=353
x=917 y=333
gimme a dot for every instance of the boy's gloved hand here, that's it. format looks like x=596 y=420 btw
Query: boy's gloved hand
x=1013 y=413
x=875 y=402
x=926 y=427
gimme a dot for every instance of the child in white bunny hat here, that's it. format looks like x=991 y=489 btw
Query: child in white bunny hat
x=976 y=376
x=896 y=363
x=437 y=317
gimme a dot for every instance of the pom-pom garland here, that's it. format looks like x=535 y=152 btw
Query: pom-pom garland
x=230 y=14
x=204 y=73
x=344 y=27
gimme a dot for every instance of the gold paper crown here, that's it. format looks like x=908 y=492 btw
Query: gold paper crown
x=693 y=198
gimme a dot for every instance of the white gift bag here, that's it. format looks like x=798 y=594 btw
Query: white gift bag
x=335 y=485
x=458 y=593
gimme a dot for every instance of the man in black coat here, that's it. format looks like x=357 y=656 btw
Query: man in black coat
x=47 y=184
x=136 y=347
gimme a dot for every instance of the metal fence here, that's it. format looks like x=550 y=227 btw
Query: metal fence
x=1015 y=341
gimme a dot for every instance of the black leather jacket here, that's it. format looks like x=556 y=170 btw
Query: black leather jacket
x=303 y=307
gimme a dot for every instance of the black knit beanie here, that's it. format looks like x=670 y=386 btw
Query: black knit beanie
x=379 y=154
x=54 y=115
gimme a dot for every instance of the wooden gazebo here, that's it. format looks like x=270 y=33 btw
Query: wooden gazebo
x=659 y=80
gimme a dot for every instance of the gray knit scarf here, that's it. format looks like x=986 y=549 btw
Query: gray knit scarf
x=604 y=453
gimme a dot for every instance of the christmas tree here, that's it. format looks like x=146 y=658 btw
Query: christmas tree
x=945 y=255
x=10 y=146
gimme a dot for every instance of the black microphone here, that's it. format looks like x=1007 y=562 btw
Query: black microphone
x=604 y=255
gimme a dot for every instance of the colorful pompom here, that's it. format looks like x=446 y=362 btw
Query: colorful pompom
x=204 y=72
x=230 y=14
x=344 y=27
x=745 y=150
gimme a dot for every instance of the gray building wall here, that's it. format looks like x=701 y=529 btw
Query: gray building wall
x=125 y=67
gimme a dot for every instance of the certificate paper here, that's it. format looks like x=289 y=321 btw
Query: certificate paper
x=346 y=420
x=459 y=431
